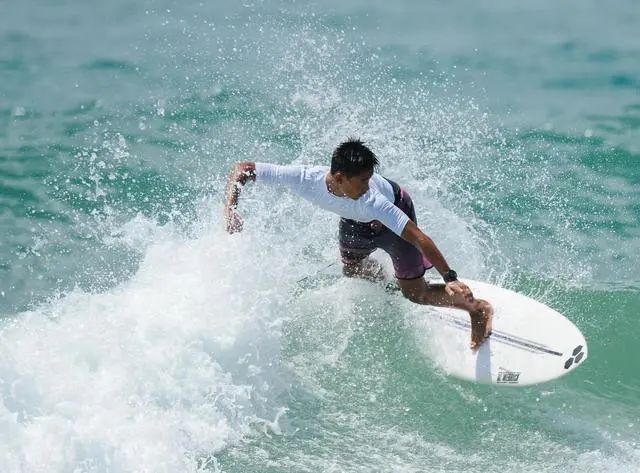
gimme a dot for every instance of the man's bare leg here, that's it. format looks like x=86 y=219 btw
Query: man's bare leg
x=366 y=268
x=480 y=311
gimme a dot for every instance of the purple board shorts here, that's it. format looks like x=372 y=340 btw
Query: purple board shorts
x=359 y=239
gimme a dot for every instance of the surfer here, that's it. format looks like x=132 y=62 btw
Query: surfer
x=375 y=213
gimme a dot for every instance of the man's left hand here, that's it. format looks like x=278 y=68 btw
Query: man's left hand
x=458 y=287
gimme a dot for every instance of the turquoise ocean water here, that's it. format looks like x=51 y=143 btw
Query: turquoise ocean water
x=136 y=335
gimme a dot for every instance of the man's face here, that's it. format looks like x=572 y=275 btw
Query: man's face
x=356 y=186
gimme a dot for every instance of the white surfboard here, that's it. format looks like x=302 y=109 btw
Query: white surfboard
x=530 y=343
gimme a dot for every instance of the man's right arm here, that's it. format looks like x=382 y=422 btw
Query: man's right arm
x=240 y=174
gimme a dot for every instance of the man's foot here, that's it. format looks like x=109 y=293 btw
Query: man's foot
x=481 y=321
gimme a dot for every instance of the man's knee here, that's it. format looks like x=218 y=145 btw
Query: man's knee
x=415 y=290
x=413 y=294
x=352 y=269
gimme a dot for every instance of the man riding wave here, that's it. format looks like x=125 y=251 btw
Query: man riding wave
x=375 y=213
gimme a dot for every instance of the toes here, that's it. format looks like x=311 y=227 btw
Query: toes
x=481 y=326
x=489 y=319
x=488 y=330
x=476 y=340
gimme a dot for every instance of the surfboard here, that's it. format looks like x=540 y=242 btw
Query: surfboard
x=530 y=343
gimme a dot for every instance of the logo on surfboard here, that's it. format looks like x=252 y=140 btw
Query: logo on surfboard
x=507 y=377
x=576 y=357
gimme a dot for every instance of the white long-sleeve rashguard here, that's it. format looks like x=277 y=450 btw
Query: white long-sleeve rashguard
x=309 y=182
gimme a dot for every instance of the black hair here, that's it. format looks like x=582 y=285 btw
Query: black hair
x=353 y=157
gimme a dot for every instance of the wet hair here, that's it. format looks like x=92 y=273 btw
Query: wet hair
x=353 y=157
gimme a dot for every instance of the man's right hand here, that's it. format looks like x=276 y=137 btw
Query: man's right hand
x=240 y=174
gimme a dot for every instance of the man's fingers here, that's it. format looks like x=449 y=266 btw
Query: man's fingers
x=459 y=288
x=454 y=289
x=234 y=221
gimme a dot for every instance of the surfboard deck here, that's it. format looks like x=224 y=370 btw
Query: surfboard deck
x=531 y=343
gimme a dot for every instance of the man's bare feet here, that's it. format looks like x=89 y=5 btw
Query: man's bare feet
x=481 y=322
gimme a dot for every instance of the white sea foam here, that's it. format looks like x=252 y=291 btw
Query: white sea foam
x=154 y=375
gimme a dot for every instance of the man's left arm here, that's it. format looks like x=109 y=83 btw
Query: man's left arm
x=427 y=246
